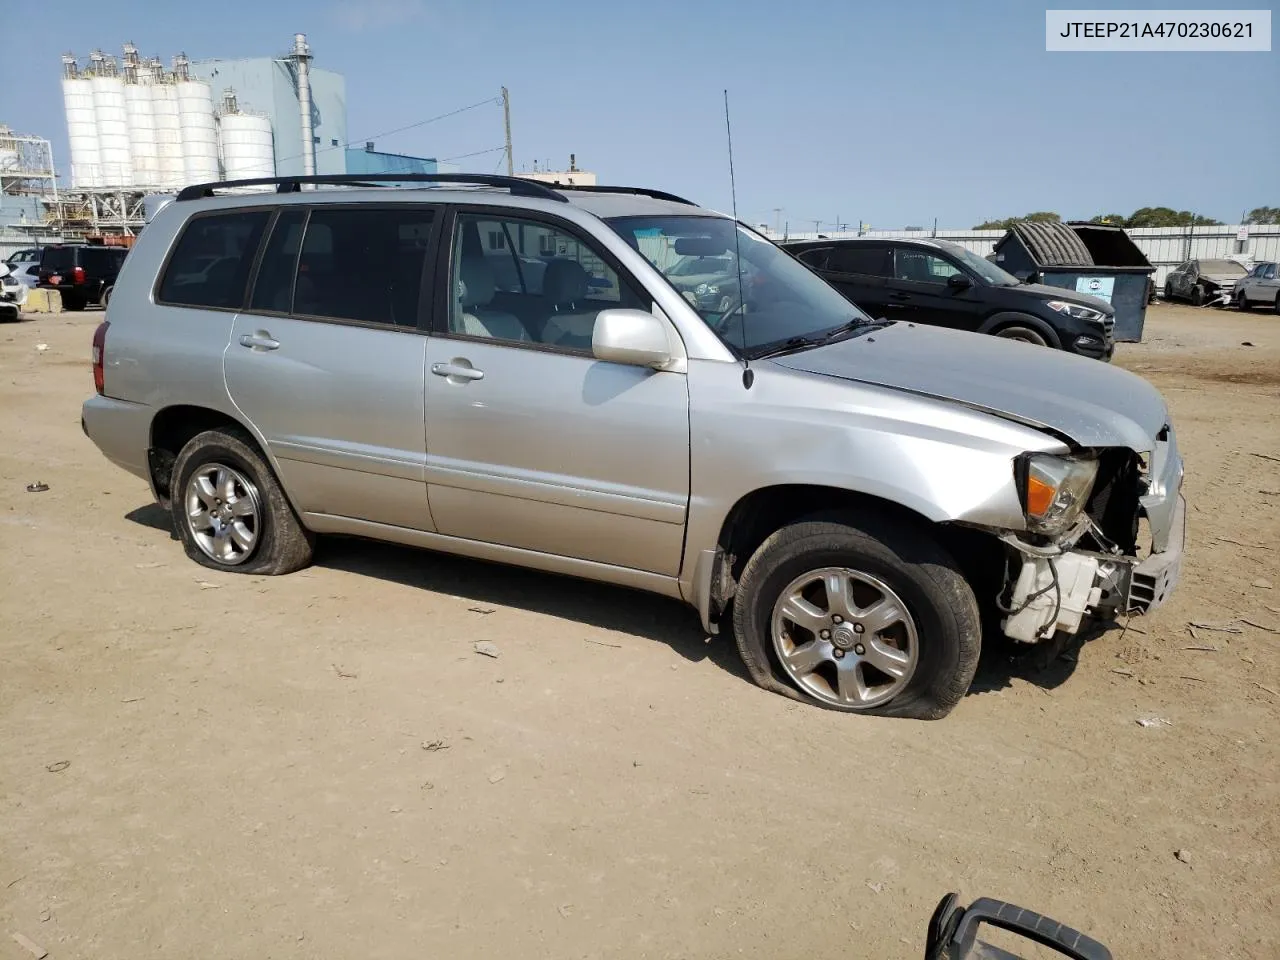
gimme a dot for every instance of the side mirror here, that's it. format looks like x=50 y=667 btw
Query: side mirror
x=633 y=337
x=959 y=281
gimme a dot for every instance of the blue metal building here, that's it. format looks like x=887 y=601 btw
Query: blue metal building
x=267 y=85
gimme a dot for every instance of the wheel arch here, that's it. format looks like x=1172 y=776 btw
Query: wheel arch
x=1009 y=318
x=173 y=427
x=759 y=513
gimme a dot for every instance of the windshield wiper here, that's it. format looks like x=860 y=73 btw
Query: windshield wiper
x=792 y=344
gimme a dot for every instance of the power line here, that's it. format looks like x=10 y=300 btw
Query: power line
x=410 y=126
x=477 y=153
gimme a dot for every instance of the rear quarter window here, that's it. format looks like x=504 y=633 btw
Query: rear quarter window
x=210 y=264
x=58 y=258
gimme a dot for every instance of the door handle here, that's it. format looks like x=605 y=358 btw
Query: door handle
x=900 y=296
x=456 y=372
x=260 y=341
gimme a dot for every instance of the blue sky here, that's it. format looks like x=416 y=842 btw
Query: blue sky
x=894 y=113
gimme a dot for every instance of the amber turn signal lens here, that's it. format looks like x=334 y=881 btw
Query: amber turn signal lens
x=1039 y=496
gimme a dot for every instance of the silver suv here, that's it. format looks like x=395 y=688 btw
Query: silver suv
x=516 y=379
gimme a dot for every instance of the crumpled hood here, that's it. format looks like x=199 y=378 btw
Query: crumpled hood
x=1090 y=402
x=1222 y=279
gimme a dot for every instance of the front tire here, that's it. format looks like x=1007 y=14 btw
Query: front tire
x=1242 y=302
x=1023 y=335
x=229 y=510
x=1197 y=296
x=860 y=616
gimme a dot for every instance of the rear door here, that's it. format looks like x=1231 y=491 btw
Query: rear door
x=327 y=360
x=861 y=270
x=922 y=293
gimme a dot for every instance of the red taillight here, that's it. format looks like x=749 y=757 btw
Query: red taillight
x=77 y=275
x=99 y=355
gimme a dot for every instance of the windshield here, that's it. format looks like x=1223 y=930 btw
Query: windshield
x=983 y=267
x=784 y=300
x=1226 y=267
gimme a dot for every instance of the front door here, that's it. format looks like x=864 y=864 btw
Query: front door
x=327 y=362
x=531 y=441
x=921 y=285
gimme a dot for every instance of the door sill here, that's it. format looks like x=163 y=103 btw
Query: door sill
x=497 y=553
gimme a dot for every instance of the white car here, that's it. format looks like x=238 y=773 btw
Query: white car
x=13 y=294
x=25 y=265
x=1260 y=288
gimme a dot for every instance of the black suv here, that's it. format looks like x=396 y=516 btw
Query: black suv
x=83 y=273
x=941 y=283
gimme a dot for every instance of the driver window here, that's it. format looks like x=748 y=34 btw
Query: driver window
x=522 y=281
x=920 y=267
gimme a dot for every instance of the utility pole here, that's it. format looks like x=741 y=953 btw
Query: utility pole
x=506 y=120
x=816 y=225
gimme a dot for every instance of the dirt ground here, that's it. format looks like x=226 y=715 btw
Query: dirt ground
x=205 y=765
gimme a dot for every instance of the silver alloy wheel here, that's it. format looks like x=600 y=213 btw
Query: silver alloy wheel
x=1021 y=335
x=845 y=637
x=224 y=513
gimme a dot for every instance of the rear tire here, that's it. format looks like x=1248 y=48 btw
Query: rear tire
x=1023 y=335
x=934 y=645
x=1168 y=290
x=106 y=297
x=241 y=522
x=72 y=303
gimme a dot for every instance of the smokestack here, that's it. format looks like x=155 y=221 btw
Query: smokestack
x=302 y=58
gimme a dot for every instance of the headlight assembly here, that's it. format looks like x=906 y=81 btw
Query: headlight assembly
x=1076 y=310
x=1054 y=491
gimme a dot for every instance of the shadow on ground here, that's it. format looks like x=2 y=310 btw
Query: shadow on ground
x=595 y=604
x=616 y=608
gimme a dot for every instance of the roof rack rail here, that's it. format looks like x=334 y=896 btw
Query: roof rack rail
x=517 y=186
x=637 y=191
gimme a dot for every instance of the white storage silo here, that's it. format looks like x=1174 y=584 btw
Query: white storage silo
x=248 y=150
x=171 y=167
x=143 y=151
x=199 y=132
x=82 y=131
x=113 y=127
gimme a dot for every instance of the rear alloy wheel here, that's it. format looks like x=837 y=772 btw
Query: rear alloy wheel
x=230 y=511
x=1023 y=335
x=1197 y=296
x=858 y=614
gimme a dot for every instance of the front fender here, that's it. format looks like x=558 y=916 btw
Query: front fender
x=939 y=459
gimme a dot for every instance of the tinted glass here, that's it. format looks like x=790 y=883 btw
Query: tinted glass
x=363 y=264
x=1270 y=272
x=273 y=290
x=210 y=266
x=868 y=259
x=921 y=267
x=58 y=258
x=814 y=258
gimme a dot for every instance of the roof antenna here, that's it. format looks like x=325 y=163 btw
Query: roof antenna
x=748 y=375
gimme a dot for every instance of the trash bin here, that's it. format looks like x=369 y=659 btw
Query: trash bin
x=1089 y=258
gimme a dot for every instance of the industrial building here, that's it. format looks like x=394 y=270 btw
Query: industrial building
x=139 y=129
x=571 y=177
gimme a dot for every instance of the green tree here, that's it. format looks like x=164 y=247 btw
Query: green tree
x=1168 y=217
x=1041 y=216
x=1263 y=215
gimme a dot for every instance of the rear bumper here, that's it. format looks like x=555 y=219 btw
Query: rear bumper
x=120 y=429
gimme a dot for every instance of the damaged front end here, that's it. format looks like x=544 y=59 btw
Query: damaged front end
x=1104 y=538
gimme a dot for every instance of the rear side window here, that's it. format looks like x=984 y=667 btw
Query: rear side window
x=363 y=264
x=210 y=266
x=862 y=258
x=817 y=259
x=273 y=290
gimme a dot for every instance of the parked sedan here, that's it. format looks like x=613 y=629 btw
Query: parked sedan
x=1260 y=288
x=1204 y=281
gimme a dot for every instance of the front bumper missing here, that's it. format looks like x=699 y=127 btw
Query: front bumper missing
x=1055 y=592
